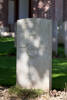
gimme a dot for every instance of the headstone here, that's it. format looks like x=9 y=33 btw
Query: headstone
x=34 y=53
x=61 y=34
x=11 y=14
x=55 y=38
x=65 y=37
x=23 y=9
x=58 y=20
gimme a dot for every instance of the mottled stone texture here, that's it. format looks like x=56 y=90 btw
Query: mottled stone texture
x=57 y=24
x=59 y=10
x=65 y=26
x=3 y=12
x=54 y=38
x=65 y=37
x=34 y=53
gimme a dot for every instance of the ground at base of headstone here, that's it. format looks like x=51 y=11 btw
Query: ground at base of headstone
x=54 y=95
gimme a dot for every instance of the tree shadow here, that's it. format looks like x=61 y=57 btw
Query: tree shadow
x=34 y=50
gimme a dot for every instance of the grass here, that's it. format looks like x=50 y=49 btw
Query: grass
x=61 y=51
x=6 y=44
x=8 y=66
x=25 y=93
x=7 y=63
x=59 y=76
x=7 y=70
x=59 y=70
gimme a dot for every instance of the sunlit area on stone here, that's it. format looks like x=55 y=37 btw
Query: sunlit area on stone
x=33 y=49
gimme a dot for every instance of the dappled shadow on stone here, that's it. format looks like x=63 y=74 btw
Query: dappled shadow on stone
x=33 y=52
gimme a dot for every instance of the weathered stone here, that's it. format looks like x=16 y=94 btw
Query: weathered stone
x=61 y=34
x=65 y=37
x=34 y=53
x=55 y=38
x=3 y=31
x=57 y=21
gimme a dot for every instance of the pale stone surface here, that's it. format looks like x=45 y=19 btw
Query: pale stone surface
x=61 y=34
x=23 y=9
x=11 y=13
x=55 y=37
x=58 y=20
x=65 y=37
x=34 y=53
x=3 y=31
x=59 y=10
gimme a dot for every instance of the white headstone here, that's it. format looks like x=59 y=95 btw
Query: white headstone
x=11 y=12
x=34 y=53
x=23 y=9
x=65 y=37
x=58 y=20
x=55 y=37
